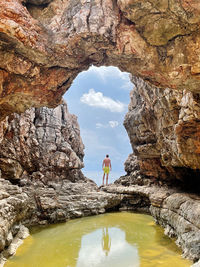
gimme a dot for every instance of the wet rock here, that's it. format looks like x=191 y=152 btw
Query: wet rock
x=17 y=241
x=13 y=209
x=197 y=264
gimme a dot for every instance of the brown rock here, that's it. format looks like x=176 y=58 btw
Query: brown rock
x=45 y=44
x=164 y=132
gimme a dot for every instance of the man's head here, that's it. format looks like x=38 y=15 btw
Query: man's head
x=107 y=156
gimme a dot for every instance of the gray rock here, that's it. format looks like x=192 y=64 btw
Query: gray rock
x=41 y=142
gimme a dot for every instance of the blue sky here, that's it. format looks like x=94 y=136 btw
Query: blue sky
x=100 y=98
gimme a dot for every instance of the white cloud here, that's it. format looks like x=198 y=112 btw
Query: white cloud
x=105 y=72
x=100 y=125
x=110 y=72
x=127 y=85
x=113 y=124
x=97 y=99
x=92 y=142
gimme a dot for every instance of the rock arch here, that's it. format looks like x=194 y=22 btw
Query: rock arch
x=45 y=44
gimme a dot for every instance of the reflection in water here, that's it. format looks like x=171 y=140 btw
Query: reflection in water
x=92 y=252
x=106 y=241
x=114 y=239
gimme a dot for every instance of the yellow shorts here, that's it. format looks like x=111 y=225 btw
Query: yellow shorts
x=106 y=170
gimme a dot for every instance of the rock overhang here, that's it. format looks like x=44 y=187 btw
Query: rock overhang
x=45 y=44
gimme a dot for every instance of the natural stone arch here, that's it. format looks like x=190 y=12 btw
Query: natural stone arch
x=45 y=44
x=43 y=47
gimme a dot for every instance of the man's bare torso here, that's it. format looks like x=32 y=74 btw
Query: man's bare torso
x=106 y=162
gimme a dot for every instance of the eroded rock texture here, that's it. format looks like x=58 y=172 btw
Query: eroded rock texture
x=163 y=127
x=41 y=143
x=45 y=44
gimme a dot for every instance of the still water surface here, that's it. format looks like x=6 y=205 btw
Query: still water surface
x=110 y=240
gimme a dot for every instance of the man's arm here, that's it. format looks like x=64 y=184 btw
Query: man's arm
x=103 y=164
x=110 y=165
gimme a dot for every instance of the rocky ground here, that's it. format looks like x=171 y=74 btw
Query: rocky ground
x=34 y=203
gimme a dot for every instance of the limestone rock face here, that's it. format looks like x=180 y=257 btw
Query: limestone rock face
x=44 y=44
x=41 y=143
x=179 y=215
x=163 y=127
x=13 y=208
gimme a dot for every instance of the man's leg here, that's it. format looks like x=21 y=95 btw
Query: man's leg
x=103 y=178
x=107 y=179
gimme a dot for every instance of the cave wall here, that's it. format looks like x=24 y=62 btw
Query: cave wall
x=163 y=127
x=45 y=44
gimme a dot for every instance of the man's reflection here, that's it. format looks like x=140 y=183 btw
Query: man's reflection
x=106 y=241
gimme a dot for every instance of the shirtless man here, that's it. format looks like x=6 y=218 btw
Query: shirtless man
x=106 y=166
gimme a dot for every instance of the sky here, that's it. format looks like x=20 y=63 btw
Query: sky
x=99 y=97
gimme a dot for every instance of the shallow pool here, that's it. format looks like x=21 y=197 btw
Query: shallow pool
x=110 y=240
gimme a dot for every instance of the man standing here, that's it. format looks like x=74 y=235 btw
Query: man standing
x=106 y=166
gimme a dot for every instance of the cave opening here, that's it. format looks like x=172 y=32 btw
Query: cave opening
x=102 y=94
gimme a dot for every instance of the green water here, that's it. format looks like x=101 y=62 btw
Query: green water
x=110 y=240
